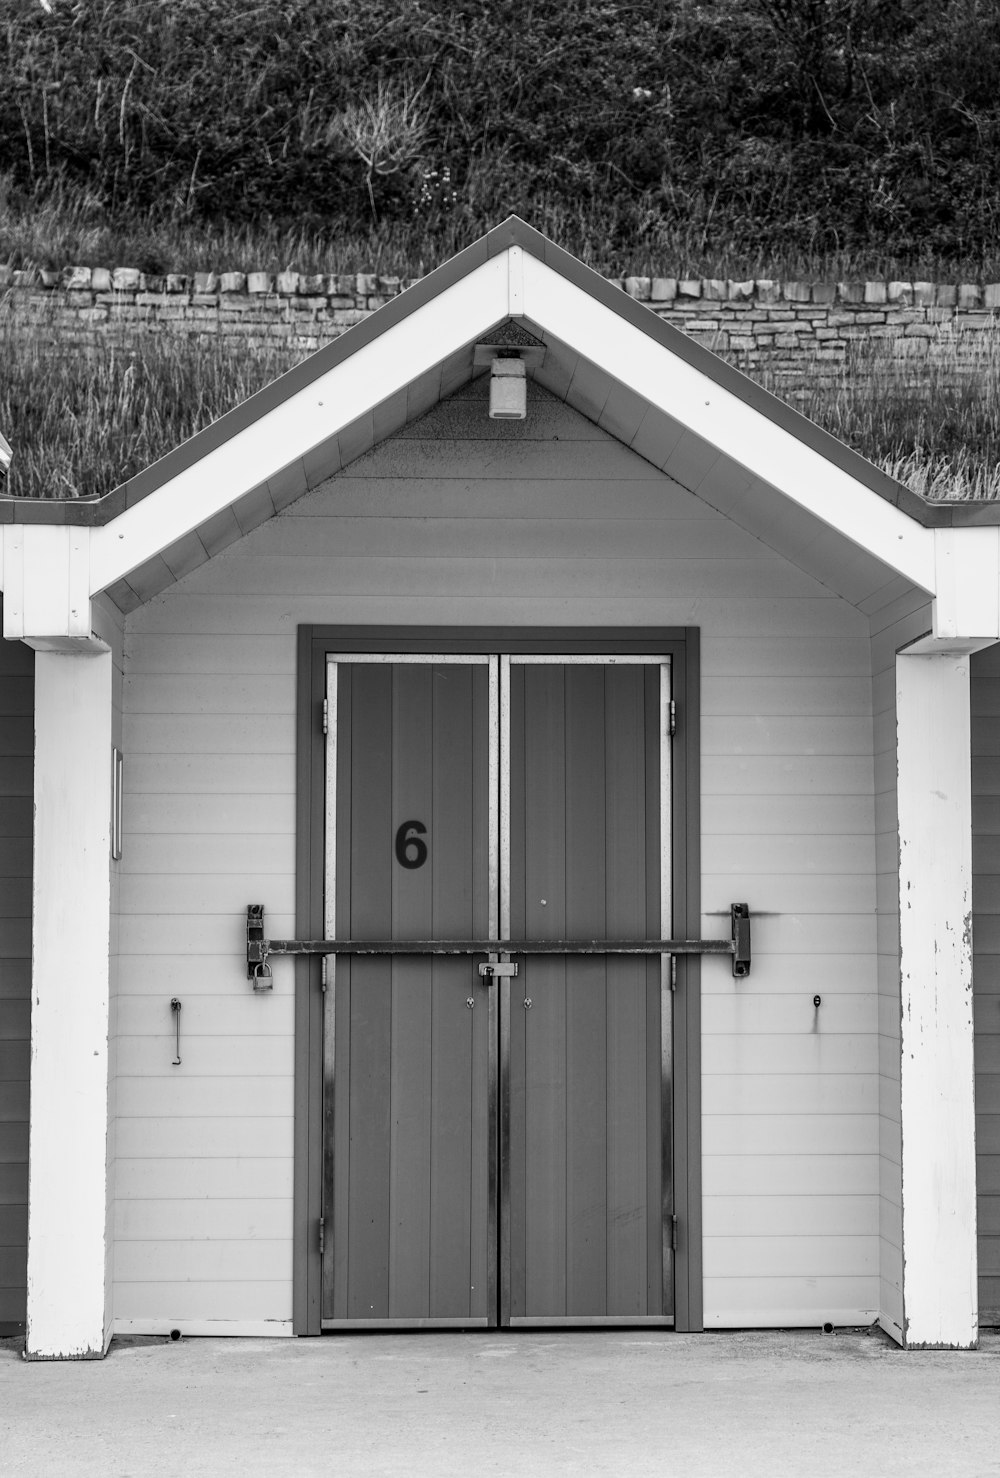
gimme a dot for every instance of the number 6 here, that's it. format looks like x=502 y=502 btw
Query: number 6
x=411 y=852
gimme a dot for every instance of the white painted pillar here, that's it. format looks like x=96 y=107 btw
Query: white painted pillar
x=69 y=1006
x=937 y=1072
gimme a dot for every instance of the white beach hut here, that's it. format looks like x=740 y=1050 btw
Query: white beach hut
x=501 y=652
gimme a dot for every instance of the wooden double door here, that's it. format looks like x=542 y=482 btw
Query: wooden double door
x=497 y=1149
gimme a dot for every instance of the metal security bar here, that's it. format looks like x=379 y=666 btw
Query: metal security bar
x=259 y=948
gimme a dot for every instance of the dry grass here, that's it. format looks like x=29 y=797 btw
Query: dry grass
x=82 y=422
x=933 y=424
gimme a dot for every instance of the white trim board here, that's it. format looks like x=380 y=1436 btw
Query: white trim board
x=207 y=1328
x=769 y=1318
x=71 y=904
x=937 y=1091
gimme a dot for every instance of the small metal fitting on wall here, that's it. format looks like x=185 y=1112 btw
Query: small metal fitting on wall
x=117 y=765
x=175 y=1007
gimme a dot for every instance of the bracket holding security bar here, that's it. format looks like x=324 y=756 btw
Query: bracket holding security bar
x=259 y=948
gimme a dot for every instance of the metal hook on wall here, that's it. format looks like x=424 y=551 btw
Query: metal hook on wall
x=175 y=1007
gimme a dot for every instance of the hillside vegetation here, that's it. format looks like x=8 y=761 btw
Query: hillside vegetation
x=727 y=138
x=723 y=136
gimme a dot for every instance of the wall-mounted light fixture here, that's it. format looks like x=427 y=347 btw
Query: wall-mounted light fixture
x=508 y=389
x=511 y=351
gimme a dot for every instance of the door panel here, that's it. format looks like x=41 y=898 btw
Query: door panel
x=407 y=1127
x=586 y=1080
x=509 y=1162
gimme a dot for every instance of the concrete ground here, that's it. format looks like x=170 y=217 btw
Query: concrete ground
x=598 y=1402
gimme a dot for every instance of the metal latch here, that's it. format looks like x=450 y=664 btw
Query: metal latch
x=258 y=970
x=739 y=913
x=492 y=969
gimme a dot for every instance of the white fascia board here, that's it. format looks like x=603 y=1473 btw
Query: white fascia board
x=46 y=579
x=515 y=281
x=967 y=580
x=377 y=370
x=12 y=576
x=765 y=449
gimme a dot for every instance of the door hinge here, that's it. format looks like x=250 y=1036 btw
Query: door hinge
x=322 y=1236
x=324 y=966
x=673 y=1233
x=673 y=972
x=672 y=717
x=326 y=715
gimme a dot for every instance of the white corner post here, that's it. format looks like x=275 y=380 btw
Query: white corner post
x=937 y=1080
x=69 y=1004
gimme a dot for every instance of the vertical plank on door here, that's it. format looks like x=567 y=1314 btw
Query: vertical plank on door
x=586 y=1109
x=545 y=984
x=516 y=1149
x=337 y=1062
x=371 y=996
x=627 y=1190
x=483 y=1298
x=411 y=1054
x=658 y=1095
x=454 y=843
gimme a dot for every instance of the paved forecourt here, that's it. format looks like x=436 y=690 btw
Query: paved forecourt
x=594 y=1402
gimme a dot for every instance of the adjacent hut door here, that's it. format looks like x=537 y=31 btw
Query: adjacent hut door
x=497 y=1152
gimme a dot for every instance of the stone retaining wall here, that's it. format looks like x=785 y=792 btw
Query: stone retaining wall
x=788 y=327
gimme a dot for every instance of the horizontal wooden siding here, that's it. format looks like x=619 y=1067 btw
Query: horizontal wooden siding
x=547 y=522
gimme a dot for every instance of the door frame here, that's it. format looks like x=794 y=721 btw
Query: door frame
x=315 y=644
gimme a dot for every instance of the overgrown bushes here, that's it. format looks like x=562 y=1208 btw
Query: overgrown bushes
x=694 y=135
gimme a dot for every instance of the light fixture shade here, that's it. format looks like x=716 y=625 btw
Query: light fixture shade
x=508 y=390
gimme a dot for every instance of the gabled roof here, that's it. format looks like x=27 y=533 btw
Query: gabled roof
x=673 y=401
